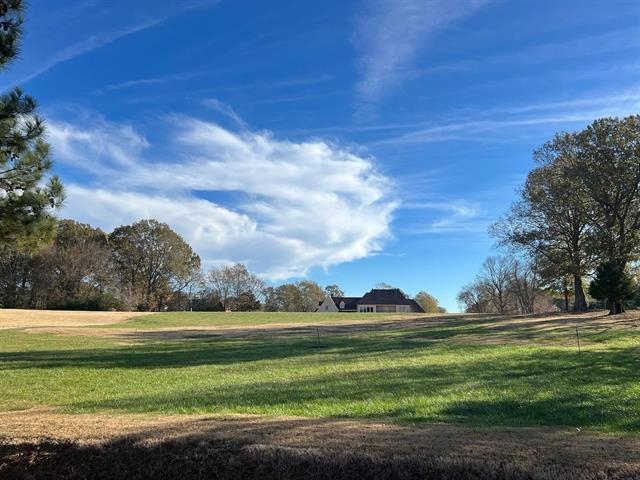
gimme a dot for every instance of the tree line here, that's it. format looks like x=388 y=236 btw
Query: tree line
x=139 y=266
x=142 y=266
x=577 y=219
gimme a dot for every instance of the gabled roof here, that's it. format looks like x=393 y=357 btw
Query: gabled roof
x=389 y=296
x=385 y=296
x=350 y=303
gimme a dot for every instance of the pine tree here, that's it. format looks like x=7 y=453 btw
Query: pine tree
x=613 y=285
x=26 y=203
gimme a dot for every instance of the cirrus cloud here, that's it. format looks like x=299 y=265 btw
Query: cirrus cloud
x=390 y=35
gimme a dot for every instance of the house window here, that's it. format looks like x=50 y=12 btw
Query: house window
x=342 y=305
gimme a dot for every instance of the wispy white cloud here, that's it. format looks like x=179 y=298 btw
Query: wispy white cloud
x=390 y=35
x=153 y=81
x=596 y=46
x=281 y=206
x=476 y=126
x=87 y=45
x=224 y=109
x=452 y=216
x=283 y=83
x=119 y=145
x=99 y=40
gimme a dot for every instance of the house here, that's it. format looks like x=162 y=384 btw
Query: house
x=388 y=300
x=381 y=300
x=339 y=304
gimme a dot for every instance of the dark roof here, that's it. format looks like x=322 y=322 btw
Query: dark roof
x=350 y=303
x=415 y=307
x=389 y=296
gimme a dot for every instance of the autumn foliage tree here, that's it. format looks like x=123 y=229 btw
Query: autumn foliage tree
x=429 y=303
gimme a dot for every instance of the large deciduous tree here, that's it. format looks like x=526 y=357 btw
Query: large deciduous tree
x=302 y=296
x=607 y=171
x=551 y=221
x=25 y=202
x=333 y=291
x=581 y=206
x=153 y=262
x=75 y=271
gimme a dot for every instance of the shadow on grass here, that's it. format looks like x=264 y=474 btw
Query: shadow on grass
x=478 y=384
x=203 y=351
x=233 y=449
x=188 y=459
x=549 y=388
x=162 y=349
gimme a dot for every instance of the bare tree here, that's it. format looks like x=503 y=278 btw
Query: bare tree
x=524 y=286
x=236 y=286
x=495 y=277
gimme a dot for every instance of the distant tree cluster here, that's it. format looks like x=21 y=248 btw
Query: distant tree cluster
x=505 y=285
x=302 y=296
x=579 y=212
x=232 y=288
x=139 y=266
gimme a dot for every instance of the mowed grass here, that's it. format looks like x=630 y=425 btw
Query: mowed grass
x=460 y=370
x=240 y=319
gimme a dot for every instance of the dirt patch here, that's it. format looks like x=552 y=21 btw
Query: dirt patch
x=41 y=444
x=13 y=318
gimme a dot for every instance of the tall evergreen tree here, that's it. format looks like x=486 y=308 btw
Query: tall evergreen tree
x=25 y=202
x=612 y=284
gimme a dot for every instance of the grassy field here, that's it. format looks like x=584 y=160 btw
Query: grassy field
x=485 y=371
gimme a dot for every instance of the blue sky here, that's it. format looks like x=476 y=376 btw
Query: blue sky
x=346 y=142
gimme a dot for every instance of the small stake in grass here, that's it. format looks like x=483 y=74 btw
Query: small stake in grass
x=578 y=338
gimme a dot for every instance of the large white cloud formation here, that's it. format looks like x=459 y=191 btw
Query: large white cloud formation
x=280 y=206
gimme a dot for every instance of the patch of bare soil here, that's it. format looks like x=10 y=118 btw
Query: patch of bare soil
x=14 y=318
x=41 y=444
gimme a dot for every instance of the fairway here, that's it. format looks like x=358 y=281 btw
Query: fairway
x=466 y=371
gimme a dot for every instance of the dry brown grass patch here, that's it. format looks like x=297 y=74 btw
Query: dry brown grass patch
x=368 y=445
x=14 y=318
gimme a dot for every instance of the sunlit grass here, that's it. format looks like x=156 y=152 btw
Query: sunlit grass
x=440 y=374
x=230 y=319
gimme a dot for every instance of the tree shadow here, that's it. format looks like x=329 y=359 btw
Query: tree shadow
x=208 y=350
x=527 y=388
x=320 y=449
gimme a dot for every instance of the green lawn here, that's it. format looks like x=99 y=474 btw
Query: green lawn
x=239 y=319
x=464 y=371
